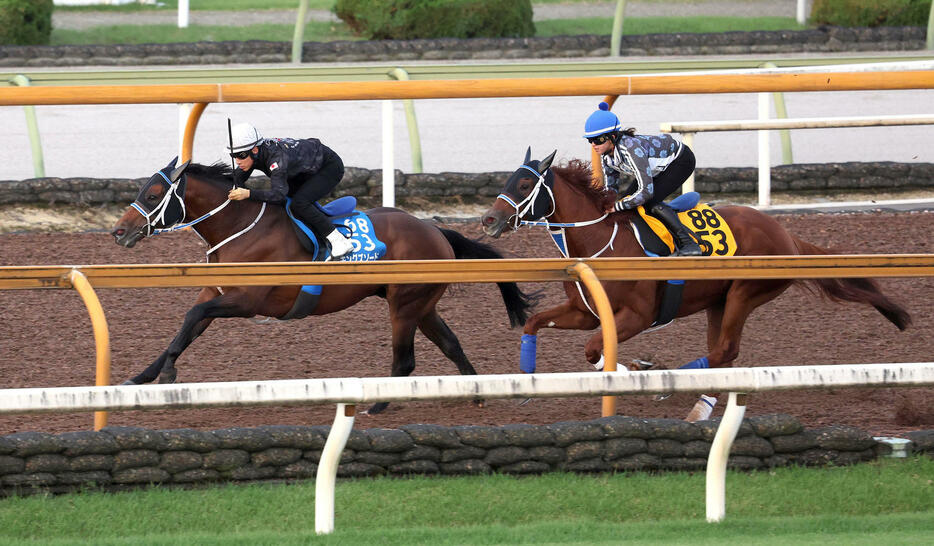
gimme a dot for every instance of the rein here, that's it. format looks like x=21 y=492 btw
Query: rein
x=556 y=229
x=523 y=207
x=158 y=215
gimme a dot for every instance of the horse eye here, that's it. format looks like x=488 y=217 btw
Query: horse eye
x=152 y=197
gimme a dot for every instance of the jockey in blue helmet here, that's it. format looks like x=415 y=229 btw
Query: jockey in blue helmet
x=656 y=166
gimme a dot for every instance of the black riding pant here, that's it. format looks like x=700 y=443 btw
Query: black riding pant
x=668 y=181
x=318 y=186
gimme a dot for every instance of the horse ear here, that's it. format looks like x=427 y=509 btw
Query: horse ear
x=528 y=156
x=178 y=172
x=543 y=166
x=172 y=163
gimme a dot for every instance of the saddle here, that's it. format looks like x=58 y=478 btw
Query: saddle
x=711 y=230
x=354 y=223
x=712 y=233
x=344 y=217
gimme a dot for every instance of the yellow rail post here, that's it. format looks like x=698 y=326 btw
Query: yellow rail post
x=101 y=336
x=607 y=323
x=596 y=164
x=188 y=142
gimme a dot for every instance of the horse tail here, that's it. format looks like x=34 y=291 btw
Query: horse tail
x=517 y=302
x=859 y=290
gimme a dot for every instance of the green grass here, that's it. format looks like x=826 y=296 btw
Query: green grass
x=315 y=31
x=887 y=502
x=207 y=5
x=662 y=25
x=319 y=31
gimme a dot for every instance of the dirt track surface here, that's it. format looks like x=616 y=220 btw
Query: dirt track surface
x=47 y=339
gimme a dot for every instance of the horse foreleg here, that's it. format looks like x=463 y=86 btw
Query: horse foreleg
x=197 y=319
x=628 y=323
x=565 y=316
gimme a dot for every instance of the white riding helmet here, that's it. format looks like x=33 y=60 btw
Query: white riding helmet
x=244 y=137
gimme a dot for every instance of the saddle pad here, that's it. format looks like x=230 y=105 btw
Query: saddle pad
x=356 y=224
x=713 y=233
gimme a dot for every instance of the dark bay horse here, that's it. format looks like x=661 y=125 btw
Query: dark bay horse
x=567 y=195
x=198 y=193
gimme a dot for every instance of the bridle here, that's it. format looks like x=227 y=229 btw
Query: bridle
x=527 y=205
x=175 y=192
x=555 y=229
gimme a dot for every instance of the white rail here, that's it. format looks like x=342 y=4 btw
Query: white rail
x=349 y=391
x=689 y=128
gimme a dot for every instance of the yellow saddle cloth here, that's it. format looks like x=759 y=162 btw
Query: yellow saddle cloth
x=712 y=232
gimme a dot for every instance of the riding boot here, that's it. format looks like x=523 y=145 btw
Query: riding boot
x=340 y=245
x=684 y=239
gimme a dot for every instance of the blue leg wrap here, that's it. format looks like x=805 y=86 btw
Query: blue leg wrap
x=699 y=364
x=527 y=353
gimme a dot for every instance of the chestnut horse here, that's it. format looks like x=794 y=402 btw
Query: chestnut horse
x=566 y=195
x=197 y=194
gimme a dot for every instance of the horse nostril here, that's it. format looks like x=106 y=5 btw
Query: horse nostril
x=487 y=220
x=118 y=232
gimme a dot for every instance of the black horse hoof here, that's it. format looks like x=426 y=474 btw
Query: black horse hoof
x=376 y=408
x=168 y=376
x=129 y=382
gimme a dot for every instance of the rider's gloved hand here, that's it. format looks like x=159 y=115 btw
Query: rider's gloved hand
x=238 y=194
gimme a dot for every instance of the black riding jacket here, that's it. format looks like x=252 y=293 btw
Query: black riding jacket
x=287 y=162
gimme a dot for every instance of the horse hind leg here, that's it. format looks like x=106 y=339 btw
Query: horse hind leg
x=403 y=355
x=438 y=332
x=725 y=329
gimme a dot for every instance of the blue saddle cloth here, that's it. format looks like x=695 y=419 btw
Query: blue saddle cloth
x=353 y=223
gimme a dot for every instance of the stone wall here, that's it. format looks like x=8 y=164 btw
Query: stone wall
x=118 y=457
x=824 y=39
x=829 y=177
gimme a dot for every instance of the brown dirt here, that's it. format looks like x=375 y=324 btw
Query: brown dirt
x=47 y=339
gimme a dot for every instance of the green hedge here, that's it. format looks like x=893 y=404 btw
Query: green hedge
x=25 y=22
x=412 y=19
x=871 y=13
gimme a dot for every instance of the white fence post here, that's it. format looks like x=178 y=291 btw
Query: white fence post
x=688 y=140
x=720 y=454
x=765 y=165
x=182 y=13
x=326 y=478
x=389 y=167
x=801 y=14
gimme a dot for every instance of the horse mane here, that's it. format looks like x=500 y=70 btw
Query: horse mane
x=218 y=173
x=578 y=173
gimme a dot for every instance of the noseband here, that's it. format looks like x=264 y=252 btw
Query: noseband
x=176 y=191
x=527 y=205
x=157 y=214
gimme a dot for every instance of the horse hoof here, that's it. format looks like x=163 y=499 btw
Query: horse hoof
x=376 y=408
x=639 y=365
x=129 y=382
x=167 y=378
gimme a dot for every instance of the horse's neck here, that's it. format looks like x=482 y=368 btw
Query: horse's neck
x=573 y=206
x=203 y=197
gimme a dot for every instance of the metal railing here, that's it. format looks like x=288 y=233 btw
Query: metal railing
x=689 y=128
x=588 y=271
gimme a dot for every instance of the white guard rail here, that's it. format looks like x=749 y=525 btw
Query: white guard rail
x=349 y=391
x=689 y=128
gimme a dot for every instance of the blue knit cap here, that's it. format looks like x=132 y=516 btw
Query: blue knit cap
x=601 y=122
